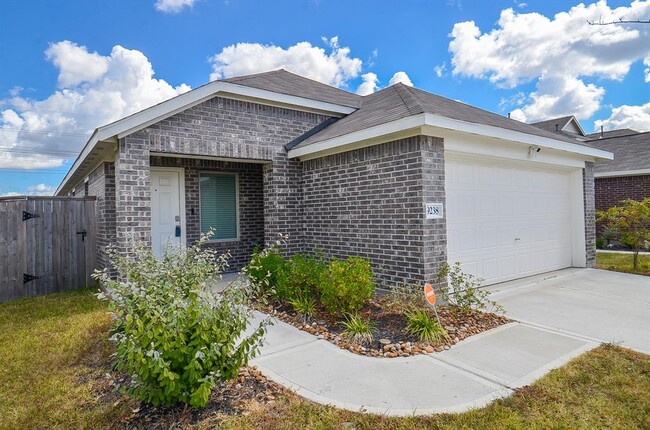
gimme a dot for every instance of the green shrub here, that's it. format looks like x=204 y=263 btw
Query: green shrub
x=405 y=298
x=266 y=268
x=357 y=329
x=427 y=329
x=346 y=285
x=600 y=243
x=175 y=337
x=465 y=290
x=300 y=277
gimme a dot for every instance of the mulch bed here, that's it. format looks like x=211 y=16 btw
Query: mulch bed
x=390 y=337
x=248 y=392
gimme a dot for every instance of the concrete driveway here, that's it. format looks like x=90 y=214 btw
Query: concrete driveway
x=593 y=304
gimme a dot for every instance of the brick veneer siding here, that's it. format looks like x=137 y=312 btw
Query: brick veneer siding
x=101 y=184
x=370 y=202
x=611 y=191
x=590 y=213
x=251 y=204
x=224 y=128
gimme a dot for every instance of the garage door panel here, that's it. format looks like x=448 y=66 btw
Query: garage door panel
x=507 y=220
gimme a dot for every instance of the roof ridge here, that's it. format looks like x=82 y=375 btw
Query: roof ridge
x=616 y=137
x=401 y=90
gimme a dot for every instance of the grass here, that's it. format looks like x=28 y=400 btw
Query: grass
x=622 y=262
x=51 y=348
x=48 y=347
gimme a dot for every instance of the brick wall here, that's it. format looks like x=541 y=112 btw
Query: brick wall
x=224 y=128
x=101 y=184
x=590 y=213
x=611 y=191
x=370 y=202
x=251 y=203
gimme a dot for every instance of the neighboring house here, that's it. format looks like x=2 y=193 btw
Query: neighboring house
x=405 y=178
x=627 y=176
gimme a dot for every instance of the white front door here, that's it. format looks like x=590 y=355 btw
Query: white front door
x=167 y=217
x=507 y=220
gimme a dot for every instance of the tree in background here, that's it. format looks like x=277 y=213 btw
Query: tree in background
x=632 y=222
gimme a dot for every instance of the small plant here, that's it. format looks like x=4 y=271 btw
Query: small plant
x=174 y=336
x=427 y=329
x=600 y=242
x=300 y=277
x=405 y=298
x=357 y=329
x=266 y=268
x=305 y=306
x=346 y=285
x=465 y=291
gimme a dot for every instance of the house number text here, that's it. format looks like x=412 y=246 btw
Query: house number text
x=434 y=210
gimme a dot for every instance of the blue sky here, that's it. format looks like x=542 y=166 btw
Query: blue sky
x=69 y=66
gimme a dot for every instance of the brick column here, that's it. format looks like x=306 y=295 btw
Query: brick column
x=283 y=212
x=590 y=213
x=132 y=191
x=433 y=191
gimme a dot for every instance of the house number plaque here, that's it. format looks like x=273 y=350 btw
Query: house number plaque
x=434 y=210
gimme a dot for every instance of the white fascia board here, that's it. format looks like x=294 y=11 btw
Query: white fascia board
x=145 y=118
x=436 y=121
x=515 y=136
x=620 y=173
x=397 y=126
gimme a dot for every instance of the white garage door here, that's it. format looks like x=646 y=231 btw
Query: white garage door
x=507 y=220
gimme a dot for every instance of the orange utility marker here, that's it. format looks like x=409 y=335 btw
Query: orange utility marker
x=430 y=295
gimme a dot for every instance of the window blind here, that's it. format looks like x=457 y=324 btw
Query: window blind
x=219 y=205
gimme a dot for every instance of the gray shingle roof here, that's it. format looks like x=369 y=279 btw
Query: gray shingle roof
x=283 y=82
x=400 y=101
x=613 y=133
x=549 y=124
x=631 y=152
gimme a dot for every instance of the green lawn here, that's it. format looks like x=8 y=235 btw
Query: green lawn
x=622 y=262
x=51 y=347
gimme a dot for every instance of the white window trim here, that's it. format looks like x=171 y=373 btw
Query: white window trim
x=221 y=172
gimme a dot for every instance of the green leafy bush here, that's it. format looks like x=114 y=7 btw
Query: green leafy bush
x=357 y=329
x=600 y=242
x=427 y=329
x=175 y=336
x=465 y=291
x=346 y=285
x=300 y=277
x=266 y=268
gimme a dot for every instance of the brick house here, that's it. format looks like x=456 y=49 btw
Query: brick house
x=403 y=177
x=627 y=176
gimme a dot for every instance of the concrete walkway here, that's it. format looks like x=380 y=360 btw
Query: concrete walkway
x=566 y=313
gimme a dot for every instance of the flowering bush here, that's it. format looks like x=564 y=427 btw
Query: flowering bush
x=175 y=336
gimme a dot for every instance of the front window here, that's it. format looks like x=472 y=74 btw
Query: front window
x=219 y=202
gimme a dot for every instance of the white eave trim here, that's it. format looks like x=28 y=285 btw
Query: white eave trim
x=426 y=120
x=145 y=118
x=620 y=173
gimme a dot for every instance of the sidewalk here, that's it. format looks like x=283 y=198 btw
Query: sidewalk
x=471 y=374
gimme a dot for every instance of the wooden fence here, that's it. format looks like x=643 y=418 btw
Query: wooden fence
x=47 y=245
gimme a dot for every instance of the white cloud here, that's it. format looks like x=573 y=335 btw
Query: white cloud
x=10 y=194
x=400 y=77
x=75 y=63
x=646 y=63
x=43 y=133
x=173 y=6
x=41 y=190
x=369 y=84
x=560 y=51
x=634 y=117
x=335 y=67
x=560 y=96
x=440 y=69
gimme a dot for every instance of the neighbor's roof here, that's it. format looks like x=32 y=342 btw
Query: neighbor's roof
x=612 y=133
x=631 y=154
x=400 y=101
